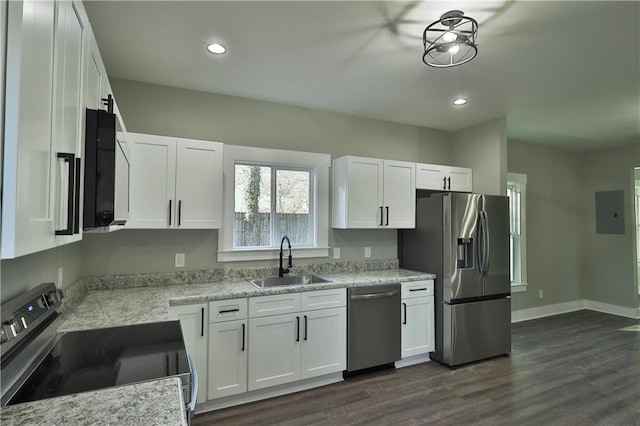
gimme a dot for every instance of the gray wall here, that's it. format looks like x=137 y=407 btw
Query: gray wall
x=23 y=273
x=162 y=110
x=555 y=223
x=483 y=148
x=609 y=266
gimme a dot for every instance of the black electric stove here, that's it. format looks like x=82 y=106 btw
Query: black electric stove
x=94 y=359
x=38 y=363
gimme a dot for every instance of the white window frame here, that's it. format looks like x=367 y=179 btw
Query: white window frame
x=519 y=182
x=317 y=163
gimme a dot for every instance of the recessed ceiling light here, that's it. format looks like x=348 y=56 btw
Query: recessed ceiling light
x=460 y=101
x=216 y=48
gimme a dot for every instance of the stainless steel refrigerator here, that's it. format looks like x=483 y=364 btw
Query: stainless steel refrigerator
x=464 y=240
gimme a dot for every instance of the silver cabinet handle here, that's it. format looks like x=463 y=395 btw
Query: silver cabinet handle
x=373 y=295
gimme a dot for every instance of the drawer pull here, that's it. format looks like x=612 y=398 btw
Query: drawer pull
x=226 y=311
x=418 y=289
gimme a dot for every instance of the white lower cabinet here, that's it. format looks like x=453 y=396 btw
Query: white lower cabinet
x=227 y=348
x=299 y=344
x=324 y=342
x=274 y=356
x=227 y=358
x=417 y=319
x=193 y=319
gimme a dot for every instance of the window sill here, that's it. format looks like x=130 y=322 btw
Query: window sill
x=518 y=288
x=271 y=254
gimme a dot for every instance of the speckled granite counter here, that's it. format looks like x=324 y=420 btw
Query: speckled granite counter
x=110 y=308
x=159 y=403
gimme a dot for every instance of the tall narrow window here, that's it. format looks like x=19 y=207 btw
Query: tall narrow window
x=516 y=191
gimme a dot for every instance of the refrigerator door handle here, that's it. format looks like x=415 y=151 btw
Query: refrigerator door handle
x=486 y=252
x=480 y=246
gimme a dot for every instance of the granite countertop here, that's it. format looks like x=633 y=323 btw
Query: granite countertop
x=158 y=402
x=111 y=308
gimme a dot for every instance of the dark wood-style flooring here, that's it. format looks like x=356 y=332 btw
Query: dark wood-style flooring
x=571 y=369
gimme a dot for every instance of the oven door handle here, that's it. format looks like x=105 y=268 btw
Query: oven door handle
x=191 y=405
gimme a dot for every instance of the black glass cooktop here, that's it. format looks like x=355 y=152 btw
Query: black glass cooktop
x=94 y=359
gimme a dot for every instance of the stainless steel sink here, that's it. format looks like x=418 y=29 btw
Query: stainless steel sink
x=288 y=280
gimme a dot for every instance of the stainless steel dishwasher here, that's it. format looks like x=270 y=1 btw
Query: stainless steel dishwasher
x=373 y=331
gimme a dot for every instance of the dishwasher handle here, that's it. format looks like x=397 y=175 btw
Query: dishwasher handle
x=374 y=295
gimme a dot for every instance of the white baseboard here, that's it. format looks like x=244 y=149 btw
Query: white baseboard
x=546 y=311
x=607 y=308
x=563 y=308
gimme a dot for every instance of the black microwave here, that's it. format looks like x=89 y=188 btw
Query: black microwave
x=106 y=173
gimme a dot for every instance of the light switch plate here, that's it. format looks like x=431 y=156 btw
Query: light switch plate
x=336 y=252
x=179 y=260
x=367 y=252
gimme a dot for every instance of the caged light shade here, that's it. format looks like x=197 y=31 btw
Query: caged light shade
x=450 y=41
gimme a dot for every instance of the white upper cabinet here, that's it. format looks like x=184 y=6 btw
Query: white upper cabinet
x=94 y=77
x=70 y=51
x=46 y=50
x=373 y=193
x=443 y=178
x=175 y=183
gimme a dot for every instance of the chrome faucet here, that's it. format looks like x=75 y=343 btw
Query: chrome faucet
x=283 y=271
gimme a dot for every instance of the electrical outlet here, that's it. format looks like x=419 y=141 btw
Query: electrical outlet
x=336 y=252
x=367 y=252
x=61 y=277
x=540 y=294
x=179 y=260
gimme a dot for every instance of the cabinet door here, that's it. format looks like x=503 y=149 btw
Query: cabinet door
x=29 y=158
x=227 y=358
x=193 y=321
x=68 y=111
x=94 y=75
x=399 y=194
x=199 y=184
x=324 y=342
x=461 y=179
x=417 y=326
x=153 y=170
x=274 y=356
x=431 y=176
x=364 y=192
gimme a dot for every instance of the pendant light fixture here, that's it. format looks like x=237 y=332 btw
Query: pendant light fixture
x=450 y=41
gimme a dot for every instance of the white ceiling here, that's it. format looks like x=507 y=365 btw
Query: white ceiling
x=565 y=73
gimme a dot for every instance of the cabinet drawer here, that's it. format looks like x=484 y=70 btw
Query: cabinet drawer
x=275 y=304
x=322 y=299
x=227 y=310
x=417 y=289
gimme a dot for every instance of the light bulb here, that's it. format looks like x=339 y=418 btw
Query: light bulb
x=216 y=48
x=448 y=37
x=454 y=49
x=460 y=101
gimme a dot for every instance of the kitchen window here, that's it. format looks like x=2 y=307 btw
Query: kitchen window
x=272 y=201
x=269 y=194
x=517 y=193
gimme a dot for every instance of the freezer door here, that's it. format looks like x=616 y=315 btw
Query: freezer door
x=496 y=216
x=476 y=330
x=460 y=240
